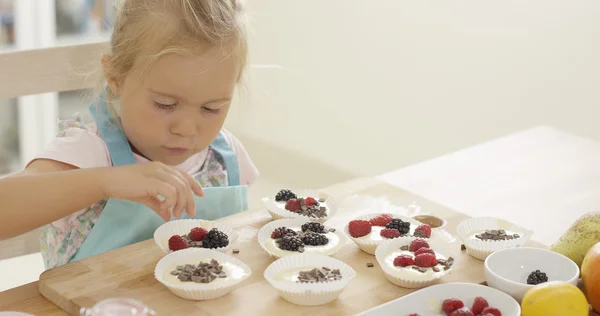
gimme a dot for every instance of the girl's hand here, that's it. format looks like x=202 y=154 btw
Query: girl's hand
x=143 y=183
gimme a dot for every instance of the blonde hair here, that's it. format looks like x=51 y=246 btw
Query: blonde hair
x=172 y=26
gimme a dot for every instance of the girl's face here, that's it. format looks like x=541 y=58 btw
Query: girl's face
x=179 y=106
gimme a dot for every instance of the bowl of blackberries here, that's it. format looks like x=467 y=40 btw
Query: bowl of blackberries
x=516 y=270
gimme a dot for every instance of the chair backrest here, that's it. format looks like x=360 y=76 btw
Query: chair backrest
x=57 y=69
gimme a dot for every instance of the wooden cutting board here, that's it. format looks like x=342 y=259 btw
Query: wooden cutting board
x=128 y=272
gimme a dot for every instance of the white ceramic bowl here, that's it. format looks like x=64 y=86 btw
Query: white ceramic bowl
x=480 y=249
x=278 y=211
x=264 y=237
x=183 y=226
x=201 y=291
x=308 y=294
x=428 y=301
x=409 y=280
x=507 y=270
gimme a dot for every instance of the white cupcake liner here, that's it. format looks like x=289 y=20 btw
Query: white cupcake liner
x=369 y=246
x=264 y=235
x=480 y=249
x=309 y=294
x=391 y=273
x=199 y=291
x=278 y=211
x=183 y=227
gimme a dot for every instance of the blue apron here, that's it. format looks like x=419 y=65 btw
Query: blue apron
x=123 y=222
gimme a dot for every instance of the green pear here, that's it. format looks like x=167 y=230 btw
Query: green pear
x=580 y=237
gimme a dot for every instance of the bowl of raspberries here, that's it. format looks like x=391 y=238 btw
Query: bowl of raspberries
x=370 y=230
x=194 y=233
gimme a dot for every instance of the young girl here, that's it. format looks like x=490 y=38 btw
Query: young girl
x=157 y=141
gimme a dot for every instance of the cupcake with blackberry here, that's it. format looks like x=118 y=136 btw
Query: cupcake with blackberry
x=310 y=205
x=291 y=236
x=368 y=231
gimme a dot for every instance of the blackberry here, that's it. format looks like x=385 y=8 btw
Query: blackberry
x=314 y=239
x=282 y=231
x=215 y=239
x=537 y=277
x=400 y=225
x=314 y=227
x=291 y=243
x=285 y=195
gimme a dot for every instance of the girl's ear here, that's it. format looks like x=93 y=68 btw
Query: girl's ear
x=113 y=82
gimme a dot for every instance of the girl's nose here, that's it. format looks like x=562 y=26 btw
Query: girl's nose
x=184 y=127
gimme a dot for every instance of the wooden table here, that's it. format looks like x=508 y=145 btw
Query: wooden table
x=371 y=291
x=541 y=178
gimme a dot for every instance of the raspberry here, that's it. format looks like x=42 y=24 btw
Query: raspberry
x=282 y=231
x=381 y=220
x=465 y=311
x=359 y=228
x=479 y=305
x=423 y=231
x=403 y=261
x=417 y=244
x=389 y=233
x=197 y=233
x=424 y=250
x=491 y=310
x=425 y=260
x=177 y=242
x=310 y=201
x=451 y=304
x=414 y=315
x=293 y=205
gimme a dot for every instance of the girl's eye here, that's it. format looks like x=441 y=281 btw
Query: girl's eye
x=207 y=109
x=165 y=107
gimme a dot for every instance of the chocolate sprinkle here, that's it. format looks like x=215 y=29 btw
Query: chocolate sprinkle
x=202 y=273
x=370 y=265
x=463 y=247
x=436 y=269
x=236 y=251
x=494 y=235
x=319 y=275
x=315 y=210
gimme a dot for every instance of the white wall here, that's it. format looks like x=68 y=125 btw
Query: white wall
x=368 y=86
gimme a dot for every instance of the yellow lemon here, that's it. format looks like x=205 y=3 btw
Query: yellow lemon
x=554 y=298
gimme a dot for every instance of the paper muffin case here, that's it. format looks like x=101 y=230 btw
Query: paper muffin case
x=402 y=280
x=481 y=249
x=183 y=227
x=279 y=212
x=308 y=294
x=264 y=235
x=369 y=246
x=199 y=291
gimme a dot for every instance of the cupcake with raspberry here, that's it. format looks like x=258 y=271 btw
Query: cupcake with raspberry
x=369 y=231
x=413 y=262
x=305 y=204
x=194 y=233
x=285 y=237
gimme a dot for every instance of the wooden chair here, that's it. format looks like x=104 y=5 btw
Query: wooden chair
x=30 y=72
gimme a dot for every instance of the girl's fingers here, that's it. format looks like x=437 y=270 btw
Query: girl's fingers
x=186 y=193
x=194 y=185
x=154 y=204
x=167 y=191
x=180 y=187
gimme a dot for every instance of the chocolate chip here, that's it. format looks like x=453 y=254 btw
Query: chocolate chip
x=321 y=200
x=404 y=247
x=370 y=265
x=463 y=247
x=301 y=249
x=499 y=234
x=332 y=230
x=436 y=269
x=236 y=251
x=319 y=275
x=422 y=270
x=415 y=267
x=202 y=273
